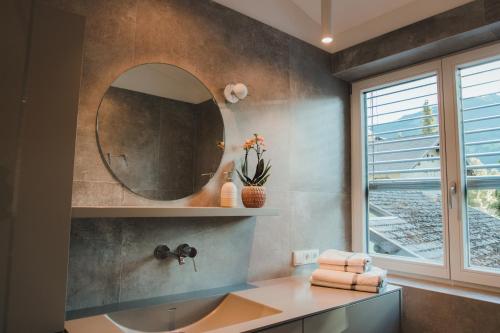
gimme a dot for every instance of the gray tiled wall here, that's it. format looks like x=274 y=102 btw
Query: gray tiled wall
x=301 y=110
x=111 y=260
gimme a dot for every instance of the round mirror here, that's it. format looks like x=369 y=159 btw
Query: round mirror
x=160 y=131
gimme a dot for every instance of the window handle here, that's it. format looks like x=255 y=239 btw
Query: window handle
x=451 y=194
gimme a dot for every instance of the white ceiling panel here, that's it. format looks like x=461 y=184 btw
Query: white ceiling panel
x=354 y=21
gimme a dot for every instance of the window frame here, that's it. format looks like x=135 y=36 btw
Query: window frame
x=454 y=223
x=458 y=222
x=359 y=184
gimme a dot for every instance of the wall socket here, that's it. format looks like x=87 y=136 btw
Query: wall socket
x=304 y=257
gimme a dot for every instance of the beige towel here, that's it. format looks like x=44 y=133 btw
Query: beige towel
x=374 y=277
x=358 y=287
x=352 y=269
x=342 y=258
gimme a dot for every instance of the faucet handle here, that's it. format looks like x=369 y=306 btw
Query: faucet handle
x=161 y=252
x=185 y=250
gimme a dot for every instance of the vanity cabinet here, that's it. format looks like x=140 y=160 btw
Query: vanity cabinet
x=379 y=314
x=375 y=315
x=293 y=327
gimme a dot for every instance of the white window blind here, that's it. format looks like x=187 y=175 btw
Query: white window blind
x=403 y=152
x=478 y=89
x=403 y=135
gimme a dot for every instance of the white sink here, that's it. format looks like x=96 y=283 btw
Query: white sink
x=216 y=312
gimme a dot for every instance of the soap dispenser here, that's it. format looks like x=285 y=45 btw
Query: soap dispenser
x=228 y=192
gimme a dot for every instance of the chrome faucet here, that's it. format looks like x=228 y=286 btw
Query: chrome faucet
x=182 y=252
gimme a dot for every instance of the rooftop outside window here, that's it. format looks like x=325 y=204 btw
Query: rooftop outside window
x=403 y=162
x=478 y=89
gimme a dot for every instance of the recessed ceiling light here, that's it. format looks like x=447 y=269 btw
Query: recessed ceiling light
x=326 y=22
x=327 y=40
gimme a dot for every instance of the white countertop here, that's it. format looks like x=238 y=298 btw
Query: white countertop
x=294 y=296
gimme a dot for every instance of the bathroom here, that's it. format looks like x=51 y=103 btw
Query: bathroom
x=85 y=229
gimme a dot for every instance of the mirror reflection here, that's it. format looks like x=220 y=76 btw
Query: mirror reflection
x=160 y=131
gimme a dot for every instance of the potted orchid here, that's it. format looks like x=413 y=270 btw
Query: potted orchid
x=253 y=193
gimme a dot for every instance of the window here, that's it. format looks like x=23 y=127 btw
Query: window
x=404 y=170
x=426 y=168
x=478 y=89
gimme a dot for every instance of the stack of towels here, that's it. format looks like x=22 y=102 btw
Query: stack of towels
x=348 y=270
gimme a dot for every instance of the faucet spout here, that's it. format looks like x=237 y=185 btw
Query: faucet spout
x=185 y=251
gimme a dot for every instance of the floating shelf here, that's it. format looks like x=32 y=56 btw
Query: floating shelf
x=96 y=212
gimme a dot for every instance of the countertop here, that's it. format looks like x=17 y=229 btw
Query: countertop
x=294 y=296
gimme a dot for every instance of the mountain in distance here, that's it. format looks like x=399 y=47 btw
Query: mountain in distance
x=472 y=114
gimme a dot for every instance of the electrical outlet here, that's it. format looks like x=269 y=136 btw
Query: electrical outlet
x=304 y=257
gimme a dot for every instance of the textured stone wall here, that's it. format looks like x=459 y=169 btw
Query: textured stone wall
x=111 y=260
x=430 y=311
x=294 y=102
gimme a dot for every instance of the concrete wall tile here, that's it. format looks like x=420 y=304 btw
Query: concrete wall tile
x=89 y=166
x=428 y=311
x=318 y=221
x=97 y=194
x=271 y=255
x=294 y=102
x=94 y=263
x=319 y=139
x=222 y=255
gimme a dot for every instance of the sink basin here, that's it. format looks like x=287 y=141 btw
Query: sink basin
x=198 y=315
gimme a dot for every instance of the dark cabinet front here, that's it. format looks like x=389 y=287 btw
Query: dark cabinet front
x=293 y=327
x=379 y=314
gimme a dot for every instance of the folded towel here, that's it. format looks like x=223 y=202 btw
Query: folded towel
x=374 y=277
x=352 y=269
x=358 y=287
x=342 y=258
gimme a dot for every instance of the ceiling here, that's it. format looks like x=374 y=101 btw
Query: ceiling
x=354 y=21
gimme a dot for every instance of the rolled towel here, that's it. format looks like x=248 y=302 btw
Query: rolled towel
x=374 y=277
x=358 y=287
x=352 y=269
x=342 y=258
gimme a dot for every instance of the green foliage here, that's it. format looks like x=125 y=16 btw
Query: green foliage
x=261 y=173
x=429 y=120
x=495 y=206
x=487 y=200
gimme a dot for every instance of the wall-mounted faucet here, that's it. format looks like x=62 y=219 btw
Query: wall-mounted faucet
x=182 y=252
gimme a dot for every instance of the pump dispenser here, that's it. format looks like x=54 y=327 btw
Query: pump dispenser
x=228 y=192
